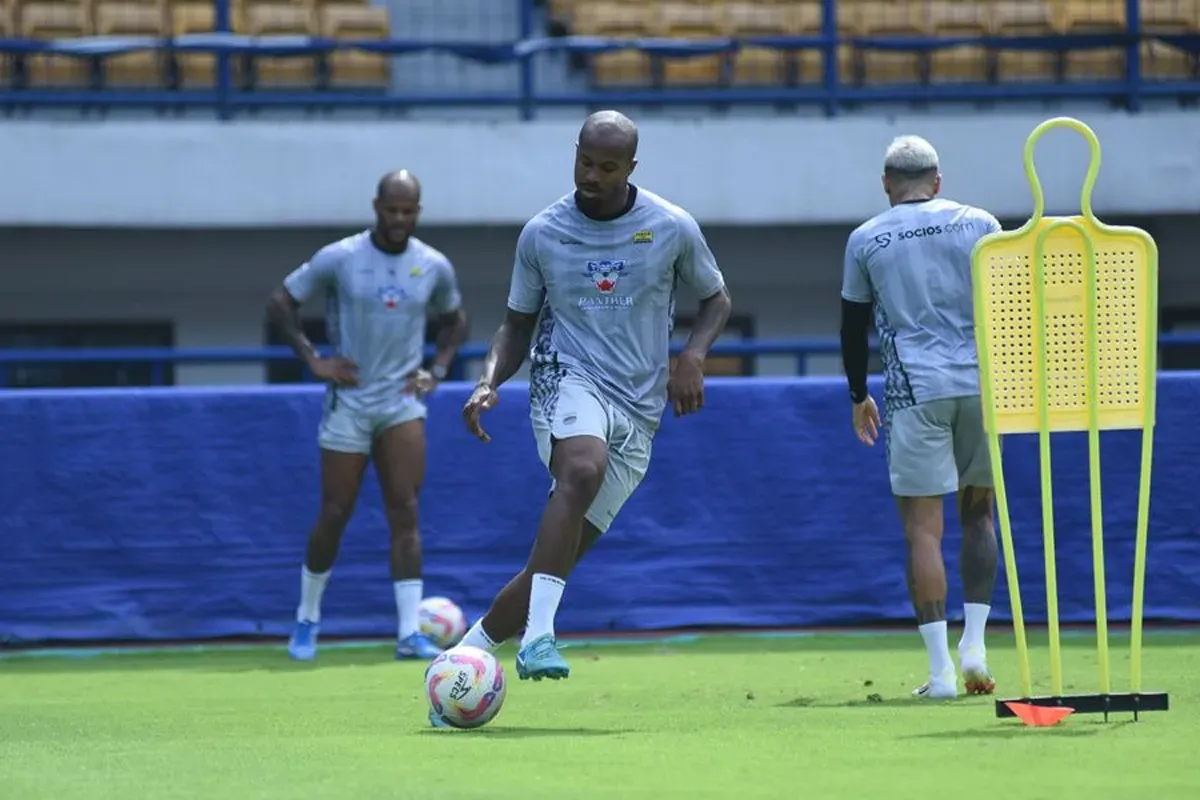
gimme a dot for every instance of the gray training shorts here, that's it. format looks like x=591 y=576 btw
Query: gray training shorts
x=354 y=430
x=580 y=410
x=937 y=447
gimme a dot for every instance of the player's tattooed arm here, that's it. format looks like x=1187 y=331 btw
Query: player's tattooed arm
x=710 y=323
x=508 y=348
x=284 y=313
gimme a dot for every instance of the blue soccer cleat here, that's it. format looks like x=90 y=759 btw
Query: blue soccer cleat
x=541 y=659
x=416 y=646
x=303 y=644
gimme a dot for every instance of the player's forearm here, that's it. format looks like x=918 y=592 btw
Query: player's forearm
x=451 y=335
x=710 y=323
x=284 y=314
x=508 y=349
x=856 y=351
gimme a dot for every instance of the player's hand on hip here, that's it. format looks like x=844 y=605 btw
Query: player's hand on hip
x=420 y=383
x=866 y=421
x=482 y=399
x=335 y=369
x=685 y=389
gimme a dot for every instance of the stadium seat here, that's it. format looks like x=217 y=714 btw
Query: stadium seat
x=194 y=70
x=808 y=22
x=887 y=19
x=1161 y=61
x=1025 y=18
x=318 y=6
x=282 y=19
x=121 y=18
x=42 y=20
x=7 y=31
x=1094 y=17
x=958 y=19
x=761 y=66
x=562 y=10
x=621 y=20
x=357 y=68
x=691 y=21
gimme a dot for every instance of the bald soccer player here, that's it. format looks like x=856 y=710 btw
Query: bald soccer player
x=593 y=287
x=379 y=286
x=912 y=266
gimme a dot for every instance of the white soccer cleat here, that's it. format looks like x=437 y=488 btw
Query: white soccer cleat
x=976 y=675
x=943 y=687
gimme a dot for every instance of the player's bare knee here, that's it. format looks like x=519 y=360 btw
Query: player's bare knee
x=975 y=510
x=402 y=512
x=333 y=517
x=922 y=518
x=580 y=476
x=923 y=537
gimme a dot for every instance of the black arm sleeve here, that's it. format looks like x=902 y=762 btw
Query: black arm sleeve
x=856 y=324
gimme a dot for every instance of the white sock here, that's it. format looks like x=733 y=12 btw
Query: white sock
x=312 y=586
x=934 y=634
x=408 y=605
x=477 y=637
x=544 y=596
x=976 y=616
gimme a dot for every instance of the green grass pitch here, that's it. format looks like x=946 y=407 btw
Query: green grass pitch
x=824 y=716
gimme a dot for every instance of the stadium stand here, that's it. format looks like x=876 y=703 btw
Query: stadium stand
x=470 y=52
x=867 y=21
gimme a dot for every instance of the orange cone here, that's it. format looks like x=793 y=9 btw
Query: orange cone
x=1040 y=716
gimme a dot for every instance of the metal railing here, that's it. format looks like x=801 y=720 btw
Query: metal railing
x=158 y=358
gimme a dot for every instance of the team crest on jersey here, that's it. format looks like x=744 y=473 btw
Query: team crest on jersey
x=605 y=274
x=416 y=272
x=391 y=295
x=643 y=237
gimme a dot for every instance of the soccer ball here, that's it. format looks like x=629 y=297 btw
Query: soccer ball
x=465 y=687
x=442 y=621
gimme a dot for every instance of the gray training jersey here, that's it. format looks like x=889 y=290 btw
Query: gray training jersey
x=605 y=292
x=376 y=308
x=913 y=262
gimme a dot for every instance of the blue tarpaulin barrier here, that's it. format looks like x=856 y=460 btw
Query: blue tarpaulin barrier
x=177 y=514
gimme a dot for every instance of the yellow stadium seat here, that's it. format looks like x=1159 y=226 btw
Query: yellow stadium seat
x=357 y=68
x=562 y=10
x=121 y=18
x=1025 y=18
x=761 y=66
x=40 y=20
x=886 y=19
x=7 y=30
x=808 y=22
x=319 y=5
x=1161 y=61
x=195 y=70
x=282 y=19
x=691 y=21
x=958 y=19
x=619 y=20
x=1094 y=17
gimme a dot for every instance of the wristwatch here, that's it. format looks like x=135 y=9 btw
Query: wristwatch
x=438 y=371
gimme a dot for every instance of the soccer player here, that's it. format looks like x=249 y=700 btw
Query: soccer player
x=593 y=288
x=380 y=286
x=911 y=264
